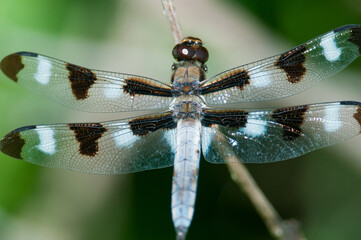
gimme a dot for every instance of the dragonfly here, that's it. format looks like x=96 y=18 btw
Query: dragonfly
x=188 y=121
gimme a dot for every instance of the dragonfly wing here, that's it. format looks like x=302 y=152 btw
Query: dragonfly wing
x=114 y=147
x=289 y=73
x=280 y=134
x=85 y=89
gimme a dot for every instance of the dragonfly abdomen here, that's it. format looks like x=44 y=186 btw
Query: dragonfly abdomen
x=186 y=166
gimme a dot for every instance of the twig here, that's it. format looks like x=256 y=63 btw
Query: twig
x=169 y=12
x=279 y=229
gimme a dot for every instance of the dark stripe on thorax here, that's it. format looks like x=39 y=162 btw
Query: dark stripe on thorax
x=226 y=118
x=292 y=63
x=236 y=78
x=138 y=85
x=143 y=125
x=291 y=119
x=81 y=80
x=87 y=135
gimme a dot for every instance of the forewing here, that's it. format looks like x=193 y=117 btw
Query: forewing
x=114 y=147
x=280 y=134
x=85 y=89
x=289 y=73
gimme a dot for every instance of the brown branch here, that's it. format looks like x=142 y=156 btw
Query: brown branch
x=169 y=12
x=279 y=229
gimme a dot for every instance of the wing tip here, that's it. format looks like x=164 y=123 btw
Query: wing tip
x=12 y=64
x=12 y=144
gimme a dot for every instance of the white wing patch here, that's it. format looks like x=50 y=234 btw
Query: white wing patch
x=255 y=127
x=207 y=138
x=47 y=141
x=330 y=49
x=171 y=140
x=124 y=137
x=113 y=91
x=43 y=72
x=259 y=79
x=332 y=119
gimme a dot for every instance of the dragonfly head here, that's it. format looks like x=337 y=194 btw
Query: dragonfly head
x=190 y=49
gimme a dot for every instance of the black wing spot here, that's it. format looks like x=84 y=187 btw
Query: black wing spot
x=291 y=120
x=237 y=78
x=226 y=118
x=87 y=135
x=11 y=65
x=143 y=125
x=137 y=85
x=292 y=63
x=355 y=37
x=12 y=144
x=81 y=80
x=357 y=116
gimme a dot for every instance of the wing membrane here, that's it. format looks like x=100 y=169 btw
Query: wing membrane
x=280 y=134
x=289 y=73
x=114 y=147
x=85 y=89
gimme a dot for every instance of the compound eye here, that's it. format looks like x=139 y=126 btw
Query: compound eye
x=202 y=54
x=181 y=52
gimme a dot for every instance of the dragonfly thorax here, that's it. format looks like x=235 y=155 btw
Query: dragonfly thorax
x=186 y=77
x=187 y=106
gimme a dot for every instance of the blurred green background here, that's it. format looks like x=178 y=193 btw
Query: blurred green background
x=321 y=189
